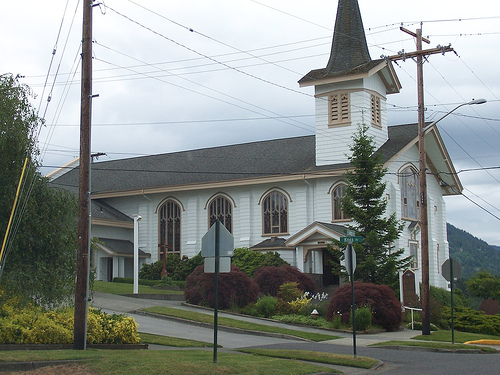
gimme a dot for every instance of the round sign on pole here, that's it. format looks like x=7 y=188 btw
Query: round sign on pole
x=449 y=266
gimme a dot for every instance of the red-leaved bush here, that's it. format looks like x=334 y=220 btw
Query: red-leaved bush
x=235 y=288
x=386 y=308
x=271 y=278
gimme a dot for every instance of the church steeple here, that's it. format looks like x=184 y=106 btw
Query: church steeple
x=349 y=48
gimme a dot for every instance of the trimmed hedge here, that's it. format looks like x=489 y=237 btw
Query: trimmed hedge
x=271 y=278
x=385 y=307
x=236 y=289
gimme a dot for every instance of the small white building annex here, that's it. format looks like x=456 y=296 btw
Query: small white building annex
x=280 y=195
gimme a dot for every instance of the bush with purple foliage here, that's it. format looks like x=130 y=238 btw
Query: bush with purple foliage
x=385 y=307
x=236 y=289
x=271 y=278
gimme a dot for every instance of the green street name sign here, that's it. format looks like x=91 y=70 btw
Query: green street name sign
x=351 y=239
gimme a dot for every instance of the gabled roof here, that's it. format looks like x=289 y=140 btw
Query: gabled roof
x=255 y=162
x=325 y=231
x=119 y=247
x=272 y=244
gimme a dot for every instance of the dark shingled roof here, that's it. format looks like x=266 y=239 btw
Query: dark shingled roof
x=218 y=164
x=273 y=243
x=349 y=48
x=104 y=211
x=122 y=247
x=349 y=54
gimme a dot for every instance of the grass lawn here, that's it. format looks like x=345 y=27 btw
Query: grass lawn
x=234 y=323
x=460 y=337
x=171 y=362
x=435 y=345
x=148 y=338
x=120 y=288
x=320 y=357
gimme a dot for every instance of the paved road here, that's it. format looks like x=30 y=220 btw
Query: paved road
x=395 y=361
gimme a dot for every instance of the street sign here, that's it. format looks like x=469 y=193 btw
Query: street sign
x=226 y=242
x=350 y=258
x=351 y=239
x=447 y=266
x=224 y=265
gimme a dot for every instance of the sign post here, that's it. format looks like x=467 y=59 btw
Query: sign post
x=217 y=244
x=350 y=261
x=451 y=269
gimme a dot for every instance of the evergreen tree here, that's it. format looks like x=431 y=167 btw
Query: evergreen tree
x=364 y=202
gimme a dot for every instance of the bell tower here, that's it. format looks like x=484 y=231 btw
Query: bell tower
x=351 y=90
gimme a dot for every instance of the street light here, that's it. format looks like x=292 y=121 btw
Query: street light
x=424 y=228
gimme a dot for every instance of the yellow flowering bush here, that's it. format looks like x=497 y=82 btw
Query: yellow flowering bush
x=30 y=324
x=299 y=304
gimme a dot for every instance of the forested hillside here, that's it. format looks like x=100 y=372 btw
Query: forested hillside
x=473 y=253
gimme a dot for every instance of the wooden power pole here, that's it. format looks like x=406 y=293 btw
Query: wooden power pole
x=82 y=261
x=419 y=54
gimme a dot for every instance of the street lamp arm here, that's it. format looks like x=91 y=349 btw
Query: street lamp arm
x=472 y=102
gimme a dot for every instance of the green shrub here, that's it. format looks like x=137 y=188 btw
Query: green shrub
x=301 y=319
x=289 y=292
x=363 y=318
x=249 y=261
x=336 y=321
x=417 y=325
x=266 y=306
x=468 y=320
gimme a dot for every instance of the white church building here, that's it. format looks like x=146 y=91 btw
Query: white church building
x=281 y=195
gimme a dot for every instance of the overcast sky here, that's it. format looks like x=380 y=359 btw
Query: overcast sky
x=184 y=74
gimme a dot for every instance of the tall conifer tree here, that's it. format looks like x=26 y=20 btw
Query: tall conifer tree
x=365 y=203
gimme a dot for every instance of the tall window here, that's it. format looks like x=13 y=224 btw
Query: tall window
x=414 y=254
x=170 y=229
x=410 y=192
x=220 y=209
x=337 y=194
x=339 y=109
x=275 y=213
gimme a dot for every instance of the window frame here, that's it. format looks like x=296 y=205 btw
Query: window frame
x=220 y=204
x=376 y=112
x=335 y=198
x=169 y=228
x=277 y=199
x=415 y=261
x=407 y=181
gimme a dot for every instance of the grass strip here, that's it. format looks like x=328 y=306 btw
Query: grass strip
x=172 y=362
x=234 y=323
x=149 y=338
x=121 y=288
x=460 y=337
x=320 y=357
x=435 y=345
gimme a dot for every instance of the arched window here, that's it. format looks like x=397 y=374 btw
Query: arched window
x=221 y=209
x=410 y=192
x=337 y=195
x=275 y=213
x=170 y=229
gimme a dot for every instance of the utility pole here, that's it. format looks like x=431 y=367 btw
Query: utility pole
x=82 y=260
x=424 y=225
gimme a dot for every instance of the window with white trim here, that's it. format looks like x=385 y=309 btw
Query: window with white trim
x=221 y=209
x=410 y=192
x=339 y=109
x=170 y=229
x=337 y=194
x=275 y=213
x=414 y=254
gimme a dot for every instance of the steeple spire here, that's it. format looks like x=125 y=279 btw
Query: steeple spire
x=349 y=48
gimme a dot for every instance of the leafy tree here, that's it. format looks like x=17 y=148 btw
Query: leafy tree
x=39 y=261
x=484 y=285
x=364 y=202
